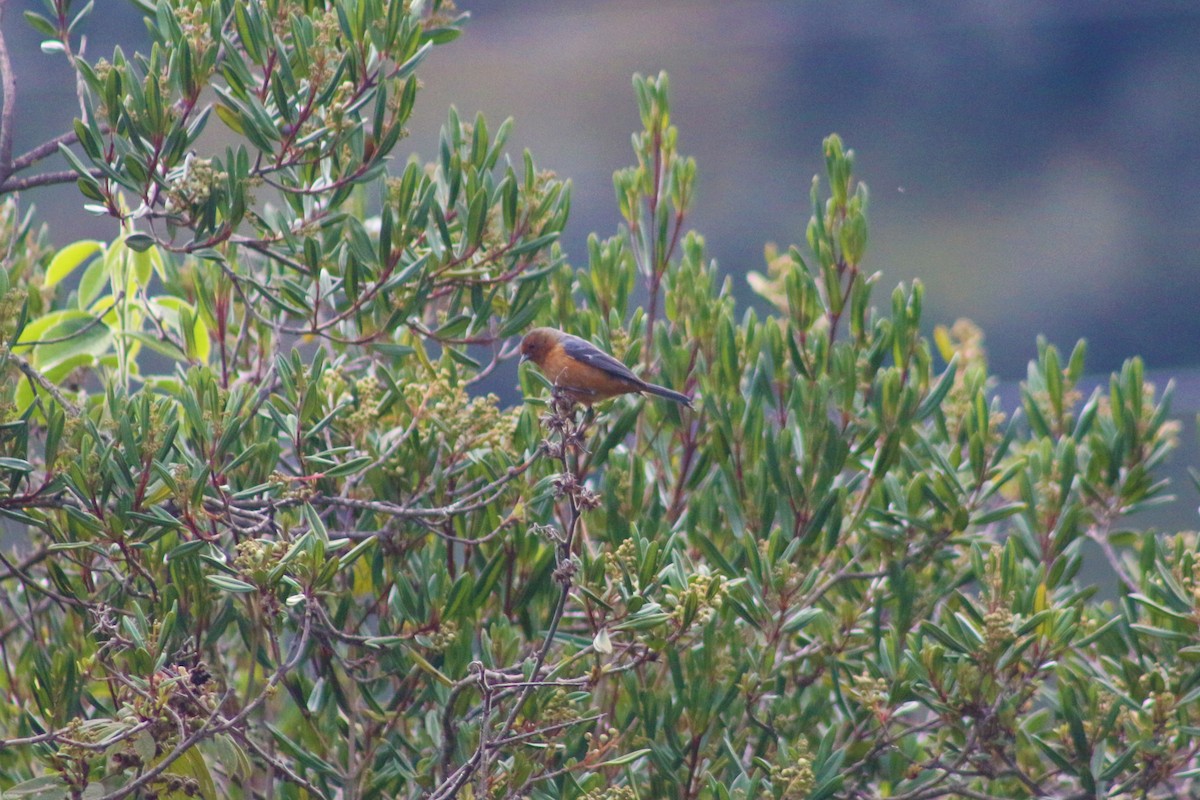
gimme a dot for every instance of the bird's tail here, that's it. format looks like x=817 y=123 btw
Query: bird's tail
x=670 y=394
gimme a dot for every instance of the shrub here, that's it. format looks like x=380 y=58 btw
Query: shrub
x=275 y=541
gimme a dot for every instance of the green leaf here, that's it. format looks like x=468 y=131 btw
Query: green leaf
x=67 y=259
x=231 y=584
x=15 y=464
x=192 y=765
x=139 y=242
x=1161 y=633
x=349 y=467
x=47 y=787
x=928 y=628
x=40 y=24
x=144 y=746
x=302 y=754
x=627 y=758
x=65 y=334
x=998 y=513
x=93 y=281
x=933 y=400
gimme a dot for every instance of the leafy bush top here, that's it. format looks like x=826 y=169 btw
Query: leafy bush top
x=276 y=542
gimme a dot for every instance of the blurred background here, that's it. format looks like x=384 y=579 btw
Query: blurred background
x=1034 y=163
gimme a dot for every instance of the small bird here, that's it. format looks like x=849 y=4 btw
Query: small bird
x=583 y=372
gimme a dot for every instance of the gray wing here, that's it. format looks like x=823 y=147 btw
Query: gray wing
x=588 y=353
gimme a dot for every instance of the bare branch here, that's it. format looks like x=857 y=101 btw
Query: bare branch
x=45 y=179
x=8 y=83
x=43 y=150
x=44 y=382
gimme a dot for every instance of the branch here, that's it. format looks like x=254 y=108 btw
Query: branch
x=1099 y=535
x=44 y=150
x=45 y=179
x=9 y=84
x=20 y=621
x=570 y=438
x=42 y=381
x=60 y=738
x=476 y=500
x=278 y=765
x=215 y=724
x=33 y=559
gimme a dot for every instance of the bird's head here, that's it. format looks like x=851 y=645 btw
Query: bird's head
x=537 y=344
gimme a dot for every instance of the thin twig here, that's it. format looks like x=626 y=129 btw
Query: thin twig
x=44 y=382
x=278 y=765
x=32 y=559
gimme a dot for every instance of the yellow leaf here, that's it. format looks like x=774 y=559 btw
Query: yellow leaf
x=1040 y=604
x=941 y=337
x=66 y=260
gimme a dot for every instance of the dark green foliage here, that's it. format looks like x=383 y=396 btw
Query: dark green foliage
x=274 y=542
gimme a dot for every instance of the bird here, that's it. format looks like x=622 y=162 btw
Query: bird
x=583 y=372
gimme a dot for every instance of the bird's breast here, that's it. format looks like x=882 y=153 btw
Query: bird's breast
x=583 y=382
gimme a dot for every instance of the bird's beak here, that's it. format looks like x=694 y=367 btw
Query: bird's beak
x=524 y=358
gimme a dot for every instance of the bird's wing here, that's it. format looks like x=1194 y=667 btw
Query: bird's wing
x=588 y=353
